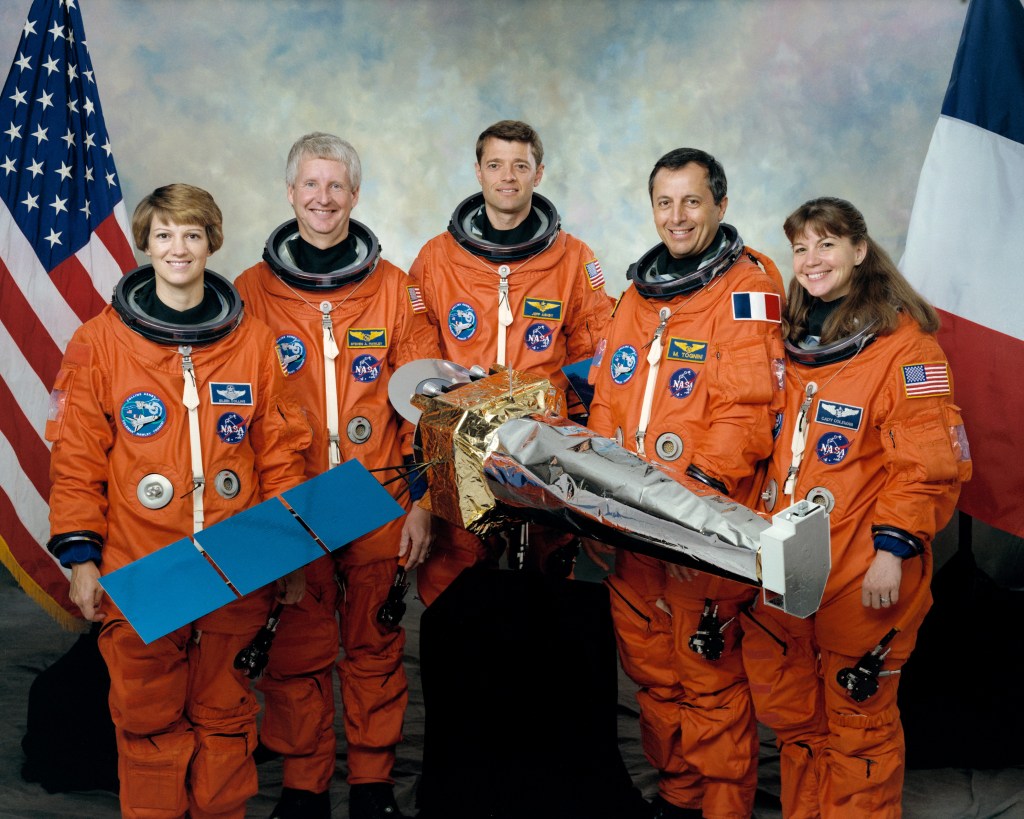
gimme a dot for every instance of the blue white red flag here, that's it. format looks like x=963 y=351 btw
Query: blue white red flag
x=63 y=246
x=757 y=306
x=964 y=254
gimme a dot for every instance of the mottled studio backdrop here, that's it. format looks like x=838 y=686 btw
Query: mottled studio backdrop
x=797 y=98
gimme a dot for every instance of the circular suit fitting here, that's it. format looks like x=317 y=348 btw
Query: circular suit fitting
x=227 y=484
x=125 y=303
x=652 y=283
x=278 y=254
x=154 y=491
x=464 y=226
x=823 y=497
x=770 y=495
x=359 y=430
x=669 y=446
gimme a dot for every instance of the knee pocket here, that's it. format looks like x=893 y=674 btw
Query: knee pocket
x=223 y=772
x=865 y=735
x=721 y=741
x=864 y=764
x=153 y=772
x=295 y=714
x=659 y=731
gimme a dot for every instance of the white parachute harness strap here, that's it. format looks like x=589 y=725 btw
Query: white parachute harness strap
x=654 y=362
x=505 y=316
x=190 y=398
x=504 y=313
x=799 y=443
x=331 y=353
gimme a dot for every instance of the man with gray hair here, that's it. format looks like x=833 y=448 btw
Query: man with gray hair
x=345 y=319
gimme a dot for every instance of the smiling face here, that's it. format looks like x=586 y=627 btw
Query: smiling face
x=823 y=264
x=685 y=212
x=178 y=254
x=322 y=197
x=508 y=173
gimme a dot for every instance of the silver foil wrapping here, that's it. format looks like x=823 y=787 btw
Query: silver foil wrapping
x=552 y=469
x=499 y=453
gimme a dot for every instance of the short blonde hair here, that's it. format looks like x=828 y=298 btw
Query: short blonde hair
x=181 y=204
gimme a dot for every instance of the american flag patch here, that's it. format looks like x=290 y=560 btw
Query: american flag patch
x=416 y=299
x=757 y=307
x=593 y=268
x=926 y=379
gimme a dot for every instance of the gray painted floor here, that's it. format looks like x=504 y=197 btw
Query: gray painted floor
x=29 y=641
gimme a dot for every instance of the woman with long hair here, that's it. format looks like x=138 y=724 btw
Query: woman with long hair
x=871 y=433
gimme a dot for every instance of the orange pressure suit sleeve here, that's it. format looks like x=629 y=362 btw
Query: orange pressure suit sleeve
x=80 y=428
x=590 y=313
x=417 y=339
x=599 y=418
x=927 y=456
x=279 y=432
x=746 y=386
x=420 y=276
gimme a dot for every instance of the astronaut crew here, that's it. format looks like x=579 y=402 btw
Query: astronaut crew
x=344 y=319
x=689 y=376
x=168 y=415
x=506 y=285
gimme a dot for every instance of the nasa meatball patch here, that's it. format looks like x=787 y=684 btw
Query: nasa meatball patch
x=231 y=428
x=366 y=368
x=681 y=383
x=538 y=337
x=832 y=448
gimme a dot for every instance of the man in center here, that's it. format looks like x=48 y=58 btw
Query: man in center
x=506 y=285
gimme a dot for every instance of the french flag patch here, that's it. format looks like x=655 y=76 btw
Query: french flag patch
x=757 y=307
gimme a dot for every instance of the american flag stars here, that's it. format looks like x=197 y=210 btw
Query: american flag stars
x=54 y=144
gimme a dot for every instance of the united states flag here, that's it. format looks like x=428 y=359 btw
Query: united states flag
x=926 y=379
x=594 y=273
x=416 y=299
x=63 y=246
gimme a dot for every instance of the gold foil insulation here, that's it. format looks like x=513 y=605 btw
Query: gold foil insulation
x=456 y=429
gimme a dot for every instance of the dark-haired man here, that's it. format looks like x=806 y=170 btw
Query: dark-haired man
x=690 y=378
x=506 y=285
